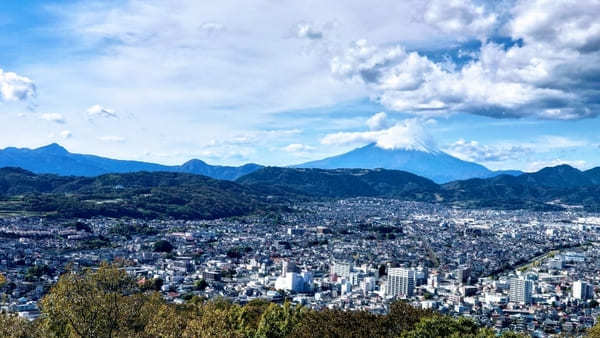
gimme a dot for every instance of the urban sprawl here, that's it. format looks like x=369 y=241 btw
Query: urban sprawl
x=533 y=272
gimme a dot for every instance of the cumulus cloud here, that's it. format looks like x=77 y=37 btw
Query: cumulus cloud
x=408 y=134
x=308 y=31
x=97 y=111
x=53 y=117
x=511 y=150
x=111 y=138
x=459 y=17
x=14 y=87
x=560 y=23
x=378 y=121
x=551 y=74
x=477 y=152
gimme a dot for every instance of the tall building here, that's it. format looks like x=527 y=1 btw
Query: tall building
x=292 y=281
x=463 y=274
x=295 y=282
x=400 y=282
x=521 y=291
x=287 y=266
x=433 y=281
x=368 y=285
x=582 y=290
x=341 y=269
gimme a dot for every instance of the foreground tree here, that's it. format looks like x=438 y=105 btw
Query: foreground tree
x=107 y=302
x=97 y=303
x=12 y=326
x=594 y=332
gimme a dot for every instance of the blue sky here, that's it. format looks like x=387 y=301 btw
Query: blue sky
x=509 y=84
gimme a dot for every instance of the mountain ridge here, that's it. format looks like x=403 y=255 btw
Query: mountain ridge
x=435 y=165
x=540 y=190
x=55 y=159
x=190 y=196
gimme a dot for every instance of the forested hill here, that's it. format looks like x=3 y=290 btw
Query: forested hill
x=548 y=189
x=342 y=183
x=141 y=194
x=188 y=196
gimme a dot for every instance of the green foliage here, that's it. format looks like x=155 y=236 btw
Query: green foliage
x=594 y=332
x=107 y=302
x=12 y=326
x=35 y=272
x=162 y=246
x=340 y=183
x=98 y=303
x=200 y=285
x=95 y=243
x=152 y=284
x=137 y=195
x=128 y=230
x=279 y=321
x=442 y=326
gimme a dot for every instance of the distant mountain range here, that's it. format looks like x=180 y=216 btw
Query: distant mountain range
x=548 y=189
x=188 y=196
x=431 y=163
x=54 y=159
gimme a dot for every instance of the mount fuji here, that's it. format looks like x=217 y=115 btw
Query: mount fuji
x=424 y=161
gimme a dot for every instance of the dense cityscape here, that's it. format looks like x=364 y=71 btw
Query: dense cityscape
x=525 y=271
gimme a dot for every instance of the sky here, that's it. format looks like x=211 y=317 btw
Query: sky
x=508 y=84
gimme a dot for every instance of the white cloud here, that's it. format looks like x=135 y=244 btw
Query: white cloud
x=477 y=152
x=99 y=111
x=460 y=17
x=198 y=71
x=14 y=87
x=111 y=138
x=53 y=117
x=378 y=121
x=558 y=23
x=65 y=134
x=551 y=74
x=298 y=148
x=308 y=31
x=408 y=134
x=502 y=151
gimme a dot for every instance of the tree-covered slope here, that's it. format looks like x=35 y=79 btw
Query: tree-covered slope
x=341 y=182
x=141 y=194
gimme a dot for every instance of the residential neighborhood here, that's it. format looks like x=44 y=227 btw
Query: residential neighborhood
x=526 y=271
